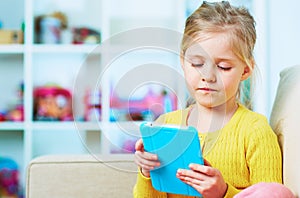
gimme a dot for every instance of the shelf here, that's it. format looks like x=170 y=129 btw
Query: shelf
x=11 y=126
x=86 y=126
x=82 y=126
x=11 y=49
x=107 y=48
x=69 y=48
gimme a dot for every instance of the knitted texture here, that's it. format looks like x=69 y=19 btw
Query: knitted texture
x=245 y=150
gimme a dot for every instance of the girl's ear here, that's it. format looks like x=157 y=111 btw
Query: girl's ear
x=247 y=72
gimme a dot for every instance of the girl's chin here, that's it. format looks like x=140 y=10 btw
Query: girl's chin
x=208 y=103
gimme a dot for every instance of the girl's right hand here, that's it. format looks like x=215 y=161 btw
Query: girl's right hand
x=146 y=161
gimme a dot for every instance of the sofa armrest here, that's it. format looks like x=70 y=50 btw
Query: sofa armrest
x=80 y=176
x=285 y=122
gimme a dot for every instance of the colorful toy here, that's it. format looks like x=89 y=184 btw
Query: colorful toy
x=93 y=106
x=16 y=115
x=48 y=27
x=84 y=35
x=147 y=108
x=9 y=178
x=2 y=116
x=52 y=103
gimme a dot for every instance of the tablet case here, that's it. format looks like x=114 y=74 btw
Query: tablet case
x=176 y=147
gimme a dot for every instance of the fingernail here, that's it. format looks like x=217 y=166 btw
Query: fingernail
x=154 y=157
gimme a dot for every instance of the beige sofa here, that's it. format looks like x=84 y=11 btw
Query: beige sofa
x=285 y=120
x=81 y=176
x=115 y=175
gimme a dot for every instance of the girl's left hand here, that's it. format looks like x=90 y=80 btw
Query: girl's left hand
x=207 y=180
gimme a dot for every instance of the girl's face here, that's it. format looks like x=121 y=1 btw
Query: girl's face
x=213 y=72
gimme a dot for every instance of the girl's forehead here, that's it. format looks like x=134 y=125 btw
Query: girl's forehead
x=195 y=49
x=214 y=48
x=214 y=44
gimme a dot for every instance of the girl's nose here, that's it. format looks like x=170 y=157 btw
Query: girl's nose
x=208 y=73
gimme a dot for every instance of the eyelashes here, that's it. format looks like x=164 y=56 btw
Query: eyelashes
x=197 y=65
x=219 y=66
x=224 y=68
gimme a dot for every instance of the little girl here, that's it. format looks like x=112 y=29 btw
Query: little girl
x=239 y=146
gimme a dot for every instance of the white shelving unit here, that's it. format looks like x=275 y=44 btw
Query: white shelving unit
x=38 y=64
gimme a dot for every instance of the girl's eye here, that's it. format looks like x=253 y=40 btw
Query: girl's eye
x=224 y=68
x=197 y=64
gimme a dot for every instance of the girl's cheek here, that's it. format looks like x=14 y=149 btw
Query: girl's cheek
x=192 y=85
x=230 y=85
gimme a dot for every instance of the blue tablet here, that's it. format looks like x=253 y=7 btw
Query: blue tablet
x=176 y=147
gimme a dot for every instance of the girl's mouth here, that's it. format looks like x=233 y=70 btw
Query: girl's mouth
x=206 y=89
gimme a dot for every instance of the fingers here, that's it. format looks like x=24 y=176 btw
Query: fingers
x=146 y=161
x=194 y=179
x=190 y=176
x=207 y=180
x=139 y=146
x=193 y=182
x=197 y=172
x=207 y=170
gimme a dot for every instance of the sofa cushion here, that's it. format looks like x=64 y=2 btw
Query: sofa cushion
x=285 y=122
x=81 y=176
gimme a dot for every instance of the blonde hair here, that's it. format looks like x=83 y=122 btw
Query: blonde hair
x=222 y=17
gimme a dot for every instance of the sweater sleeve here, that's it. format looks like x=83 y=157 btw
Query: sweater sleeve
x=143 y=188
x=231 y=191
x=263 y=154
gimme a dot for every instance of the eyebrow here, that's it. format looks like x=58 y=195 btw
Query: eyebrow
x=189 y=57
x=225 y=60
x=221 y=59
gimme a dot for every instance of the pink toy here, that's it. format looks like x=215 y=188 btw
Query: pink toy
x=157 y=104
x=52 y=103
x=16 y=115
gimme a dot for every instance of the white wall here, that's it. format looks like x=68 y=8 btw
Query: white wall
x=283 y=40
x=11 y=20
x=259 y=11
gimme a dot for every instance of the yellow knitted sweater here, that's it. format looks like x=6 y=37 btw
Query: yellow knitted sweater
x=245 y=150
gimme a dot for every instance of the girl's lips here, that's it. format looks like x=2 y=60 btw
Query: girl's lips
x=206 y=89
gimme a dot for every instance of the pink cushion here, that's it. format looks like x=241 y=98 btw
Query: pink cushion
x=263 y=190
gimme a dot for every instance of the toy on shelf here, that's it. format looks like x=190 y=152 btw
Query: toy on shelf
x=52 y=103
x=48 y=28
x=84 y=35
x=92 y=101
x=16 y=114
x=2 y=117
x=9 y=179
x=53 y=29
x=148 y=108
x=8 y=36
